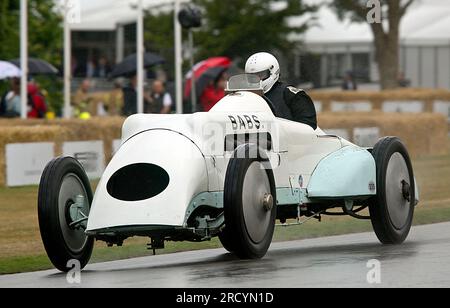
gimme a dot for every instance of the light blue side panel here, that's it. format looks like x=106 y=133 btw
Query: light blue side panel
x=348 y=172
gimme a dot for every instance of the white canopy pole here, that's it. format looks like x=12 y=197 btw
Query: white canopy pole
x=178 y=60
x=140 y=58
x=24 y=58
x=67 y=60
x=120 y=42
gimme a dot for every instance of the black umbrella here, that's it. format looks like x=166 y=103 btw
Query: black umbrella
x=128 y=67
x=37 y=67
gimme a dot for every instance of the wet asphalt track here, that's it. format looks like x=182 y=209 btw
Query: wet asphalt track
x=423 y=261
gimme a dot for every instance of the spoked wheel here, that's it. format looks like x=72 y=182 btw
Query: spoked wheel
x=392 y=209
x=64 y=201
x=250 y=207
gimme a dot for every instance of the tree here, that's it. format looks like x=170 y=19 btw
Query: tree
x=238 y=28
x=386 y=33
x=159 y=37
x=45 y=38
x=233 y=28
x=44 y=26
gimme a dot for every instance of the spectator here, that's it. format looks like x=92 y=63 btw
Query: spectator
x=36 y=102
x=130 y=98
x=160 y=101
x=91 y=68
x=213 y=93
x=10 y=106
x=402 y=81
x=115 y=104
x=349 y=83
x=74 y=63
x=103 y=69
x=82 y=99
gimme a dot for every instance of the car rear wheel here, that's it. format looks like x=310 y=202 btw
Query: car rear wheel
x=392 y=209
x=250 y=206
x=64 y=201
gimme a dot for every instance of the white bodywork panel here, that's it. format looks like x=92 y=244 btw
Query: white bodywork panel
x=187 y=179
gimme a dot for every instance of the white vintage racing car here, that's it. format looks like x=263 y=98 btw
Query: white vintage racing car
x=231 y=173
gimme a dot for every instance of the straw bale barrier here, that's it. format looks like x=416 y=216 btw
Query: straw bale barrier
x=424 y=134
x=427 y=96
x=58 y=131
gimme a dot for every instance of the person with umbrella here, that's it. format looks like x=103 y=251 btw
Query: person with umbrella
x=37 y=107
x=213 y=93
x=10 y=106
x=207 y=73
x=130 y=98
x=128 y=68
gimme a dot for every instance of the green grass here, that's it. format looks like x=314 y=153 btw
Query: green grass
x=313 y=229
x=21 y=248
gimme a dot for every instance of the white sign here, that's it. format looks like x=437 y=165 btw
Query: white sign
x=356 y=106
x=366 y=137
x=116 y=146
x=25 y=162
x=340 y=132
x=403 y=106
x=319 y=106
x=90 y=154
x=442 y=108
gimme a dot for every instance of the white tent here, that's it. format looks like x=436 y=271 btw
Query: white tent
x=329 y=29
x=424 y=39
x=426 y=20
x=425 y=35
x=105 y=15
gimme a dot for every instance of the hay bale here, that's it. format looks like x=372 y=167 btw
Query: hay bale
x=58 y=131
x=428 y=96
x=423 y=134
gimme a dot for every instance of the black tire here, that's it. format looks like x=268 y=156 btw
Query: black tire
x=247 y=239
x=62 y=177
x=226 y=240
x=390 y=210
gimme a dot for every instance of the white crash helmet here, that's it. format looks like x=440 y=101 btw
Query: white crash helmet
x=267 y=68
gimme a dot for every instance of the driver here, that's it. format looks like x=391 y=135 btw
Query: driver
x=289 y=102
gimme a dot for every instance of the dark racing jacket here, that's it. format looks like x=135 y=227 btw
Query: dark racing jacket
x=293 y=104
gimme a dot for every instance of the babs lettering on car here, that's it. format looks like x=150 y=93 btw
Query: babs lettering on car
x=240 y=122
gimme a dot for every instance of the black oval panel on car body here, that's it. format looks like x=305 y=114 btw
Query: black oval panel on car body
x=138 y=182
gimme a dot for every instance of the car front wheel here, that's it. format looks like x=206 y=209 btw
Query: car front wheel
x=250 y=206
